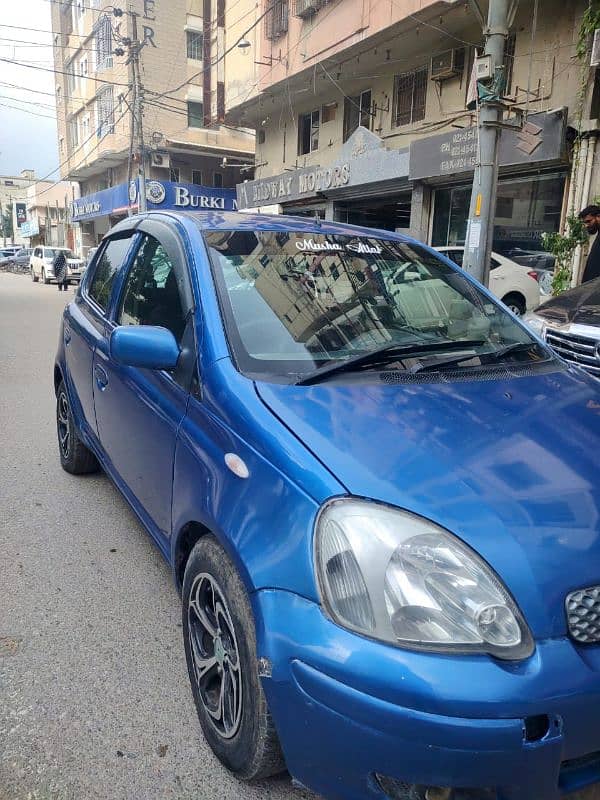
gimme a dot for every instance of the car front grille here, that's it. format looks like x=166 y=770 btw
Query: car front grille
x=576 y=348
x=583 y=614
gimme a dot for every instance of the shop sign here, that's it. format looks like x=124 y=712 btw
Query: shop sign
x=167 y=194
x=29 y=229
x=296 y=185
x=21 y=213
x=541 y=139
x=159 y=194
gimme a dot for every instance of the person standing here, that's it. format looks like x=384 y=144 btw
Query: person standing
x=60 y=270
x=590 y=216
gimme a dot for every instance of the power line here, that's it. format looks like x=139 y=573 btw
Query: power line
x=58 y=71
x=77 y=149
x=27 y=111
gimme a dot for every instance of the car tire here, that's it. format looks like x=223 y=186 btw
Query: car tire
x=516 y=303
x=74 y=455
x=44 y=277
x=34 y=277
x=218 y=629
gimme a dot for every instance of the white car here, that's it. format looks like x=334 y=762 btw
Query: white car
x=42 y=260
x=515 y=285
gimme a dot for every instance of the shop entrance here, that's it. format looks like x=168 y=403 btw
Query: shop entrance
x=525 y=209
x=390 y=214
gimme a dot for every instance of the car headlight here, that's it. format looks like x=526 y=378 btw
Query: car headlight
x=537 y=324
x=399 y=578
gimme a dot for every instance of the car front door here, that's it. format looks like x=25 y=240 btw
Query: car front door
x=84 y=325
x=139 y=411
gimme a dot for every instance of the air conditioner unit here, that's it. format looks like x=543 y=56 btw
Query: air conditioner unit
x=306 y=8
x=595 y=57
x=160 y=160
x=447 y=64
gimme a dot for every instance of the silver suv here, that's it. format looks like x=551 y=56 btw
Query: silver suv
x=42 y=260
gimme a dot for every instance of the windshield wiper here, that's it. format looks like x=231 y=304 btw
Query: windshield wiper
x=496 y=355
x=517 y=347
x=382 y=355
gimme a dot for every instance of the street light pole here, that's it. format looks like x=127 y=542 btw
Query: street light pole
x=480 y=228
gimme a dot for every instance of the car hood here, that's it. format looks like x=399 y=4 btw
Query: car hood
x=580 y=305
x=510 y=466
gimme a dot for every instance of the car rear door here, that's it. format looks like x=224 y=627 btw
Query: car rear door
x=85 y=326
x=139 y=411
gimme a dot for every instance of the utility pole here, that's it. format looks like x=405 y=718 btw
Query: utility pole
x=138 y=109
x=480 y=228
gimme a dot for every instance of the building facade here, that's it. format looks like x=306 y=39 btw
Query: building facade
x=363 y=115
x=13 y=191
x=48 y=218
x=189 y=153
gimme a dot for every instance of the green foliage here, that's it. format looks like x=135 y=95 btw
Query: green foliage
x=7 y=223
x=589 y=23
x=563 y=246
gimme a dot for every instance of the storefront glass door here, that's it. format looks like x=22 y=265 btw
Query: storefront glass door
x=525 y=208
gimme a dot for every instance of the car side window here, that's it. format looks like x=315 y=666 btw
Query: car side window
x=494 y=264
x=151 y=293
x=103 y=278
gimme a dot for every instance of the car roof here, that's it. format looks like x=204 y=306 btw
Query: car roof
x=233 y=220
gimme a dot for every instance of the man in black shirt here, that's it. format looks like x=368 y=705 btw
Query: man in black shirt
x=591 y=219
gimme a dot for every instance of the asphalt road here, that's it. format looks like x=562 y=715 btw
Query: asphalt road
x=94 y=696
x=94 y=693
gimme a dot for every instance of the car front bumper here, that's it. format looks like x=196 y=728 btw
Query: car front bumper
x=348 y=709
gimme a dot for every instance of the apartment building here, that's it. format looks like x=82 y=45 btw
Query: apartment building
x=361 y=112
x=13 y=190
x=47 y=215
x=191 y=157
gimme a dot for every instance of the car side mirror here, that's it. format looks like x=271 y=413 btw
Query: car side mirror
x=147 y=346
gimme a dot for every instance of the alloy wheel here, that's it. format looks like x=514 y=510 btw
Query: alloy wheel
x=64 y=436
x=215 y=656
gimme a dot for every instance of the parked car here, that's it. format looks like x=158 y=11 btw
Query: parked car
x=42 y=260
x=515 y=285
x=20 y=260
x=539 y=259
x=6 y=253
x=570 y=323
x=377 y=491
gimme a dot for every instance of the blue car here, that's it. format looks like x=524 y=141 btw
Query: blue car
x=376 y=489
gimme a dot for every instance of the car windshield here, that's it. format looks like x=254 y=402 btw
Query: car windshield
x=294 y=303
x=52 y=252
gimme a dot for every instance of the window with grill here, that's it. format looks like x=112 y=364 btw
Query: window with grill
x=410 y=93
x=217 y=180
x=174 y=174
x=106 y=112
x=103 y=42
x=357 y=111
x=194 y=45
x=197 y=177
x=72 y=79
x=509 y=60
x=276 y=20
x=308 y=132
x=195 y=115
x=73 y=134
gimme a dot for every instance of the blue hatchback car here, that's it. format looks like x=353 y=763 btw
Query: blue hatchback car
x=378 y=493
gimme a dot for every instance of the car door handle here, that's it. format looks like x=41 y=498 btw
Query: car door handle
x=101 y=378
